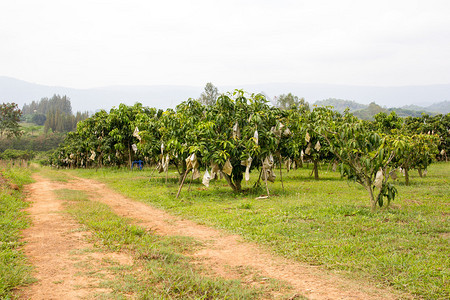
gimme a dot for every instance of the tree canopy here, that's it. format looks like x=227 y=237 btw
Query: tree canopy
x=210 y=95
x=9 y=120
x=290 y=101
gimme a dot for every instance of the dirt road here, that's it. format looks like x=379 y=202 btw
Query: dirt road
x=57 y=248
x=54 y=236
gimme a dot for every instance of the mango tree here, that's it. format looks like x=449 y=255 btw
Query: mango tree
x=121 y=123
x=438 y=124
x=94 y=132
x=387 y=123
x=146 y=131
x=177 y=132
x=316 y=146
x=305 y=140
x=364 y=155
x=235 y=136
x=413 y=151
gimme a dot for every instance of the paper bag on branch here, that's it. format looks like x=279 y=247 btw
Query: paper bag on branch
x=288 y=164
x=308 y=149
x=267 y=168
x=206 y=178
x=136 y=133
x=270 y=175
x=191 y=162
x=196 y=174
x=166 y=163
x=247 y=163
x=227 y=168
x=236 y=131
x=393 y=174
x=378 y=183
x=214 y=170
x=317 y=146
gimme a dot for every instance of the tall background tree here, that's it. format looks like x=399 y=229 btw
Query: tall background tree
x=290 y=101
x=210 y=95
x=54 y=113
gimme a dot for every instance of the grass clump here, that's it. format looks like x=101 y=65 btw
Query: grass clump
x=160 y=270
x=14 y=268
x=324 y=222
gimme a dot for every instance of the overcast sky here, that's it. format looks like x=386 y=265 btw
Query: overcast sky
x=91 y=43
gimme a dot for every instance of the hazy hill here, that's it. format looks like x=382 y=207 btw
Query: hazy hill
x=441 y=107
x=385 y=96
x=402 y=112
x=340 y=105
x=368 y=111
x=21 y=92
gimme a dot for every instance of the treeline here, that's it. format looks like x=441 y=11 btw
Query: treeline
x=61 y=122
x=45 y=105
x=54 y=113
x=42 y=142
x=367 y=112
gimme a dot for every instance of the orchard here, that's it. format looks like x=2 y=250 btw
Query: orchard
x=243 y=134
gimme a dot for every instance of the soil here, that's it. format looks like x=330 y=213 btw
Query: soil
x=56 y=246
x=54 y=236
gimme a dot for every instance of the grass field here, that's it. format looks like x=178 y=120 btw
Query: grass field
x=326 y=222
x=14 y=270
x=31 y=129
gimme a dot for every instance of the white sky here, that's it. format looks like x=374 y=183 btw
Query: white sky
x=91 y=43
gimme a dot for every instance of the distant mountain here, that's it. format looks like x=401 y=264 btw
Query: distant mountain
x=368 y=111
x=402 y=112
x=21 y=92
x=441 y=107
x=164 y=96
x=371 y=110
x=341 y=105
x=385 y=96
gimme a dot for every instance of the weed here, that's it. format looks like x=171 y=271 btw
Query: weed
x=14 y=268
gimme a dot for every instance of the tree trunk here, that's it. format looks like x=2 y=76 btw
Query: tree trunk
x=420 y=172
x=237 y=184
x=234 y=183
x=129 y=155
x=373 y=202
x=406 y=176
x=316 y=170
x=281 y=178
x=183 y=170
x=229 y=181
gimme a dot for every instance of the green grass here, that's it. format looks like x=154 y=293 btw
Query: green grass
x=54 y=174
x=14 y=269
x=31 y=129
x=160 y=270
x=326 y=222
